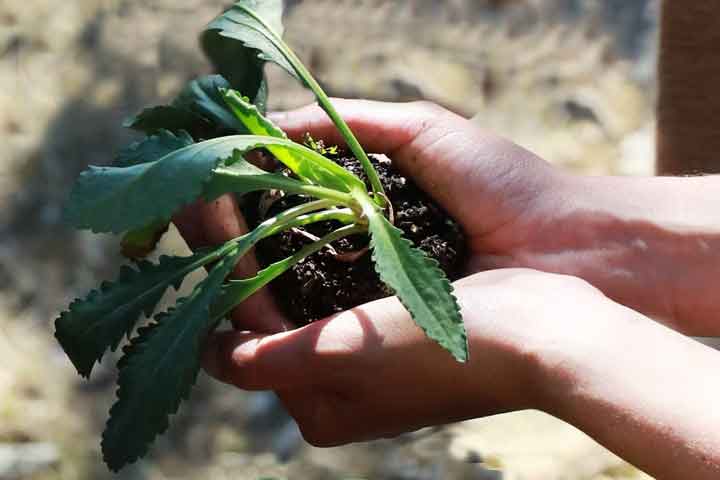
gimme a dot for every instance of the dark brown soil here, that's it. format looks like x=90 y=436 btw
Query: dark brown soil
x=322 y=285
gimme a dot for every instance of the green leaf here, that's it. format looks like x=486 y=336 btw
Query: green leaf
x=198 y=109
x=256 y=24
x=152 y=148
x=100 y=321
x=158 y=370
x=240 y=62
x=204 y=97
x=257 y=124
x=418 y=282
x=250 y=117
x=169 y=117
x=140 y=243
x=112 y=199
x=241 y=177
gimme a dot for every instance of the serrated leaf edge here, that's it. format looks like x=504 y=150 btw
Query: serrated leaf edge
x=139 y=344
x=432 y=265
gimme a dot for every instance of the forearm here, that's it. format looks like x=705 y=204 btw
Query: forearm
x=645 y=392
x=649 y=243
x=689 y=73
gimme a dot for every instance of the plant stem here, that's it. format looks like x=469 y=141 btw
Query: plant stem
x=342 y=215
x=350 y=138
x=278 y=223
x=327 y=105
x=237 y=291
x=295 y=187
x=299 y=216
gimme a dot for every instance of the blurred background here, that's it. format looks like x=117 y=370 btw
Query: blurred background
x=572 y=80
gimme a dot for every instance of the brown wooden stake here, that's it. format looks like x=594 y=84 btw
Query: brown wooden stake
x=689 y=75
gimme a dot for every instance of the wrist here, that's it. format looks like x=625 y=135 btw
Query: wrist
x=649 y=243
x=643 y=406
x=582 y=359
x=533 y=334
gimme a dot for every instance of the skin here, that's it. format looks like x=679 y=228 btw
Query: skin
x=552 y=341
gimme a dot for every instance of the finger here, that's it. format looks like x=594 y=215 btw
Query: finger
x=326 y=418
x=189 y=224
x=321 y=352
x=381 y=127
x=214 y=223
x=447 y=156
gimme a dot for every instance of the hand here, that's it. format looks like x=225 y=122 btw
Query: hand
x=371 y=372
x=649 y=243
x=536 y=340
x=203 y=224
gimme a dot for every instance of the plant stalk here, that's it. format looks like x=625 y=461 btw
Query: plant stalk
x=342 y=126
x=236 y=291
x=316 y=191
x=328 y=107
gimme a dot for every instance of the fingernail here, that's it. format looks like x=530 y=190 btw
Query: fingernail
x=245 y=351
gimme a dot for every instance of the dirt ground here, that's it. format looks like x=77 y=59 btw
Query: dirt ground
x=572 y=80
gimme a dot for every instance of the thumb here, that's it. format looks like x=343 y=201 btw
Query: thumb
x=315 y=354
x=214 y=223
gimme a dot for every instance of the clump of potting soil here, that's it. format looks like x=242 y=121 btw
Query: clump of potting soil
x=337 y=279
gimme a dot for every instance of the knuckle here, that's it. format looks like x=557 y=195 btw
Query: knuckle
x=242 y=376
x=577 y=284
x=245 y=366
x=321 y=424
x=320 y=436
x=428 y=108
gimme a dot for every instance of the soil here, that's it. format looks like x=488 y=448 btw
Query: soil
x=323 y=284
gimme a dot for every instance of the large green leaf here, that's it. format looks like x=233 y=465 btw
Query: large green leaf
x=169 y=117
x=112 y=199
x=204 y=97
x=240 y=176
x=158 y=370
x=152 y=148
x=241 y=62
x=142 y=241
x=256 y=24
x=99 y=322
x=257 y=124
x=198 y=109
x=418 y=282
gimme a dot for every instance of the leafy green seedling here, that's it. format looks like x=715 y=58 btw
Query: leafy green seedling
x=194 y=149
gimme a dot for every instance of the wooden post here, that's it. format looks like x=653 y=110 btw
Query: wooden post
x=689 y=76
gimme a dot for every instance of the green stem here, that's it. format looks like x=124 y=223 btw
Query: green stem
x=295 y=187
x=237 y=291
x=291 y=218
x=350 y=138
x=280 y=222
x=342 y=215
x=327 y=105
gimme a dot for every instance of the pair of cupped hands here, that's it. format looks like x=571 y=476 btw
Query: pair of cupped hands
x=370 y=372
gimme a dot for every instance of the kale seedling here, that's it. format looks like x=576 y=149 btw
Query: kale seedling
x=194 y=149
